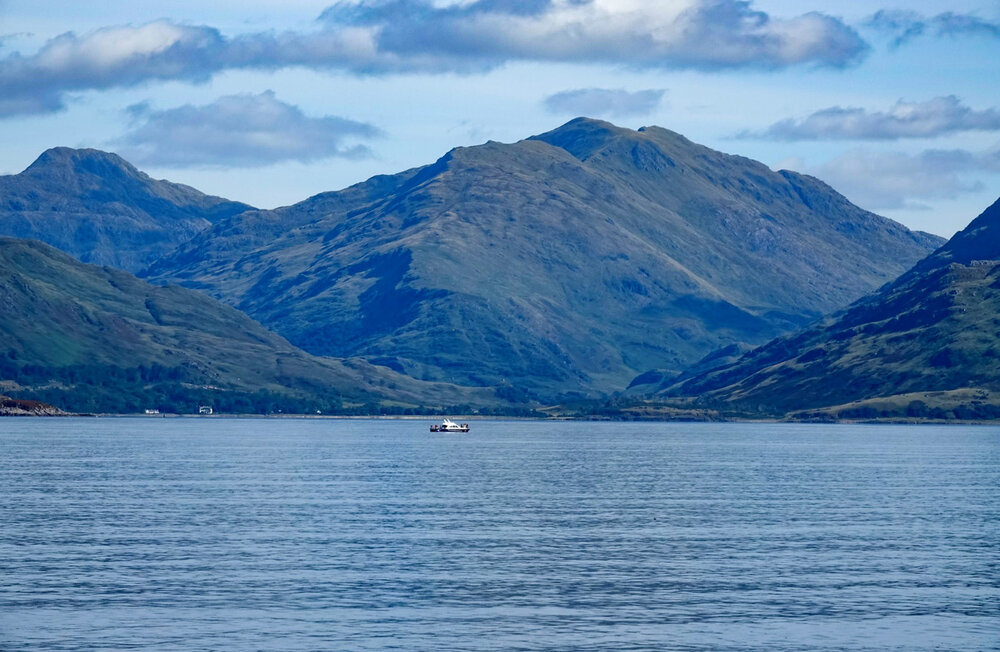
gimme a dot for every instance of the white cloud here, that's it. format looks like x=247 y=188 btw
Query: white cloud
x=239 y=131
x=893 y=180
x=704 y=34
x=114 y=56
x=935 y=117
x=404 y=36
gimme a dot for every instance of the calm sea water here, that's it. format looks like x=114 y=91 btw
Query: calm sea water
x=228 y=534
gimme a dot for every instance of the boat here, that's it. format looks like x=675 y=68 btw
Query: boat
x=450 y=426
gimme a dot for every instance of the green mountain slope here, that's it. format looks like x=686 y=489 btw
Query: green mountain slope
x=99 y=208
x=568 y=262
x=98 y=338
x=935 y=329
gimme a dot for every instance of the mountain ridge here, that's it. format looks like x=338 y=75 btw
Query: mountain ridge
x=100 y=208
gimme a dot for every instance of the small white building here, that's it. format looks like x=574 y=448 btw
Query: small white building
x=205 y=409
x=152 y=411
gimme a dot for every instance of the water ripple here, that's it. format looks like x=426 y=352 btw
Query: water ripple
x=182 y=534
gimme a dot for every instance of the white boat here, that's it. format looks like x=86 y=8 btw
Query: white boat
x=450 y=426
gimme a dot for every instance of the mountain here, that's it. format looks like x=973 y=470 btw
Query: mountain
x=91 y=338
x=931 y=336
x=99 y=208
x=567 y=262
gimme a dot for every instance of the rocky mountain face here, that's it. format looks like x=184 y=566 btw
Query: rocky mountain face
x=936 y=329
x=83 y=337
x=565 y=263
x=99 y=208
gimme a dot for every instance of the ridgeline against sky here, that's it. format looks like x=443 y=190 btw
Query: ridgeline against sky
x=265 y=102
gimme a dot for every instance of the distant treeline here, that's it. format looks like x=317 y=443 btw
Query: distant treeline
x=629 y=409
x=973 y=411
x=180 y=399
x=103 y=389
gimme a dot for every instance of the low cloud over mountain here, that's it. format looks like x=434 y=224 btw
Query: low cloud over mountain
x=887 y=180
x=240 y=131
x=604 y=101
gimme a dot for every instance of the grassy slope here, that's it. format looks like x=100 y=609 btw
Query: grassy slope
x=58 y=314
x=966 y=404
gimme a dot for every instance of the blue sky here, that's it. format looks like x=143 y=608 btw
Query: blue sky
x=895 y=105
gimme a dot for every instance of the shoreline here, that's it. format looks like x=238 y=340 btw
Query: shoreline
x=476 y=417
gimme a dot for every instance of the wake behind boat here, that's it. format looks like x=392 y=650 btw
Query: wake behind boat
x=450 y=426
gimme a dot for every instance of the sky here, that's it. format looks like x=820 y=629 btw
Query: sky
x=895 y=104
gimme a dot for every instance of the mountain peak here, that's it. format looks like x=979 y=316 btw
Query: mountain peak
x=581 y=137
x=68 y=155
x=978 y=241
x=595 y=124
x=585 y=138
x=98 y=207
x=60 y=161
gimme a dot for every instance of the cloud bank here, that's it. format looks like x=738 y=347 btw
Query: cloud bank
x=703 y=34
x=908 y=25
x=936 y=117
x=418 y=36
x=239 y=131
x=602 y=102
x=892 y=180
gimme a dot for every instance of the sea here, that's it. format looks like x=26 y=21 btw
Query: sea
x=351 y=534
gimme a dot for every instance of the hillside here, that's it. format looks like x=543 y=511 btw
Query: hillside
x=99 y=208
x=931 y=335
x=567 y=262
x=88 y=338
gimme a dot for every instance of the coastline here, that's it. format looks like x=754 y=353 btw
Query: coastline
x=888 y=421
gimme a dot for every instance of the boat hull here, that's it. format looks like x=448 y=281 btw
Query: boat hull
x=443 y=429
